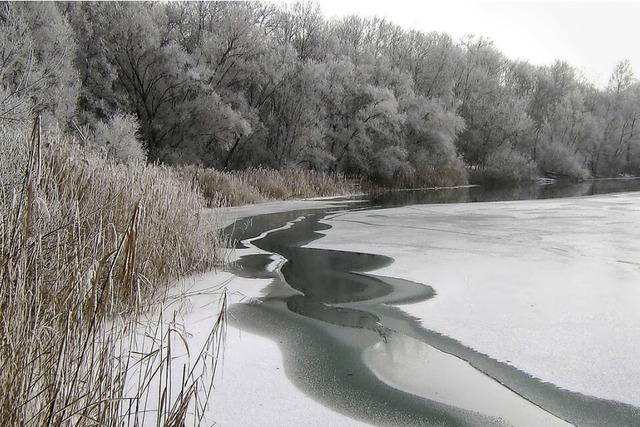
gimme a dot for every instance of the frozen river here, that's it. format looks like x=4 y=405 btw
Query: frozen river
x=489 y=313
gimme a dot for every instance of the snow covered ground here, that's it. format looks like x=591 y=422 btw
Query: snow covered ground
x=551 y=287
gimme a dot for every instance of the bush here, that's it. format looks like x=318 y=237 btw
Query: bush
x=558 y=160
x=506 y=164
x=118 y=139
x=451 y=175
x=391 y=168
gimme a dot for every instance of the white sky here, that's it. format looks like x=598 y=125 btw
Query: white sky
x=593 y=36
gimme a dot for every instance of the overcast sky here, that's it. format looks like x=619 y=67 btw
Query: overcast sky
x=591 y=35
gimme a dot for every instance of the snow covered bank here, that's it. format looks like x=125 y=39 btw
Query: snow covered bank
x=547 y=286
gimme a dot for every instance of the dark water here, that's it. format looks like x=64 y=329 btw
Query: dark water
x=505 y=192
x=325 y=309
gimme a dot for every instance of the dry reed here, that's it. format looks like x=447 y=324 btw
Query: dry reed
x=84 y=246
x=254 y=185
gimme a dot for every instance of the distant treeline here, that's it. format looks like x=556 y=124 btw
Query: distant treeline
x=239 y=85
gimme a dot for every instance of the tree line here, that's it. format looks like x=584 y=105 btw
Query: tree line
x=235 y=85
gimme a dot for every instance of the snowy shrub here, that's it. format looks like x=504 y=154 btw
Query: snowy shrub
x=557 y=159
x=119 y=139
x=448 y=175
x=391 y=167
x=506 y=164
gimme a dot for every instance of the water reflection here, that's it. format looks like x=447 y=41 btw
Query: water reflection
x=246 y=228
x=327 y=277
x=493 y=193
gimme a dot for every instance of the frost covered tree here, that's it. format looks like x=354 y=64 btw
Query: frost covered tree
x=247 y=84
x=37 y=75
x=118 y=139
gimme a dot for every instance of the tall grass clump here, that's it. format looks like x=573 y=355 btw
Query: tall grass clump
x=421 y=177
x=232 y=188
x=219 y=188
x=451 y=175
x=85 y=245
x=295 y=183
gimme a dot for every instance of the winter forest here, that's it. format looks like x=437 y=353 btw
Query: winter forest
x=238 y=85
